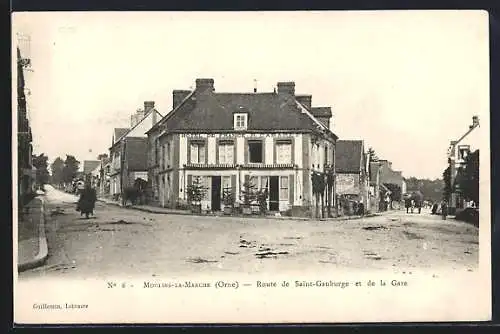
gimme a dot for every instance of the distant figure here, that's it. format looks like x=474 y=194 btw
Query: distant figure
x=444 y=209
x=407 y=204
x=86 y=203
x=361 y=209
x=434 y=208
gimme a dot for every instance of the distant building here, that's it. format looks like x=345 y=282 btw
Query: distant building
x=390 y=178
x=128 y=152
x=376 y=195
x=91 y=171
x=351 y=168
x=274 y=140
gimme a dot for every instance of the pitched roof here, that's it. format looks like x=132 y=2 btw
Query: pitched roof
x=266 y=111
x=136 y=153
x=348 y=156
x=90 y=165
x=118 y=133
x=374 y=168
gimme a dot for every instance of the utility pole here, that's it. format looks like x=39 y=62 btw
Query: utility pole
x=452 y=154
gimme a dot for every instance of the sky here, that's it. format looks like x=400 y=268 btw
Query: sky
x=405 y=82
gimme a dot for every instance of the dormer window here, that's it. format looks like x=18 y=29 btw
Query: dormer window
x=240 y=121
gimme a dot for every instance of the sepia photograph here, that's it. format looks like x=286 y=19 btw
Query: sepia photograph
x=251 y=167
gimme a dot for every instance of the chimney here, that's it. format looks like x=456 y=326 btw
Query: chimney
x=148 y=105
x=286 y=88
x=204 y=85
x=178 y=96
x=305 y=100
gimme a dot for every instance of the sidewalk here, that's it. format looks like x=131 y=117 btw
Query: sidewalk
x=32 y=242
x=160 y=210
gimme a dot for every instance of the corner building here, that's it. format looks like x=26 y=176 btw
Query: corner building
x=276 y=140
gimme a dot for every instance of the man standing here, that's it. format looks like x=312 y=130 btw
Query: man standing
x=444 y=209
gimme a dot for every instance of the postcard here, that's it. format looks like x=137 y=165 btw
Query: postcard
x=251 y=167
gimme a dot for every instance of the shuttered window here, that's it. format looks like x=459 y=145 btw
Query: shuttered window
x=283 y=188
x=197 y=153
x=283 y=152
x=226 y=153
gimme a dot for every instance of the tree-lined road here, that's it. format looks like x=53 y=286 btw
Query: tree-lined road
x=121 y=241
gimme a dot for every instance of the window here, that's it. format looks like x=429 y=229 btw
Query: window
x=255 y=152
x=226 y=183
x=326 y=155
x=197 y=152
x=206 y=182
x=283 y=188
x=264 y=184
x=240 y=121
x=284 y=152
x=226 y=152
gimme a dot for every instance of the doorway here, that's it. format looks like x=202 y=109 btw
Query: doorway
x=216 y=193
x=274 y=194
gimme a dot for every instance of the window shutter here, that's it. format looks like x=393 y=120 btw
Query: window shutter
x=247 y=178
x=205 y=161
x=234 y=151
x=292 y=153
x=217 y=148
x=189 y=180
x=233 y=185
x=274 y=152
x=188 y=151
x=291 y=184
x=246 y=151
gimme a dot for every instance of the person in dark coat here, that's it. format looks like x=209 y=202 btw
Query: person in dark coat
x=86 y=203
x=361 y=209
x=434 y=208
x=444 y=210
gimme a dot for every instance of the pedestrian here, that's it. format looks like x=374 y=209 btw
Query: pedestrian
x=434 y=208
x=361 y=209
x=444 y=209
x=86 y=203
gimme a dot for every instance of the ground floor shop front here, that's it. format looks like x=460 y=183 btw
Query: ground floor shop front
x=285 y=188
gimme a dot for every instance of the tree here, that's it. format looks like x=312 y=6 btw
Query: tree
x=102 y=156
x=395 y=192
x=40 y=162
x=469 y=184
x=57 y=168
x=70 y=169
x=249 y=192
x=318 y=189
x=372 y=155
x=431 y=189
x=195 y=192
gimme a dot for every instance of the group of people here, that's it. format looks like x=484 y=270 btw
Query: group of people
x=86 y=202
x=444 y=209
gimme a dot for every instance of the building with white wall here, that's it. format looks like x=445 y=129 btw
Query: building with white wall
x=275 y=140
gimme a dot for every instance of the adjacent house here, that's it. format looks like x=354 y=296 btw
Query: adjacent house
x=351 y=169
x=26 y=170
x=128 y=152
x=91 y=171
x=392 y=179
x=375 y=186
x=274 y=140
